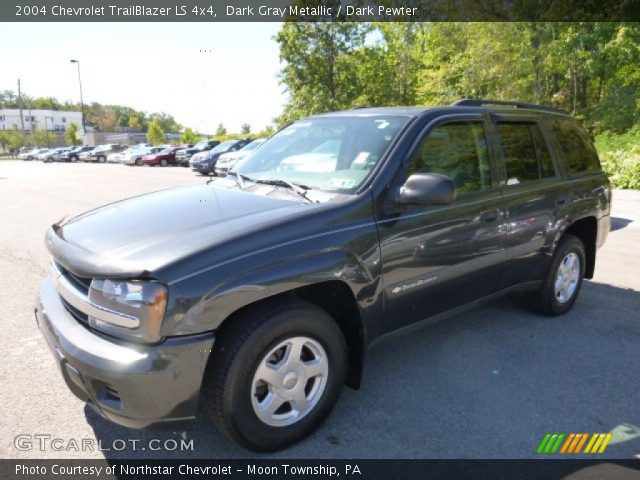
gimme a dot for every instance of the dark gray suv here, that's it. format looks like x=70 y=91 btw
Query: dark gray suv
x=260 y=292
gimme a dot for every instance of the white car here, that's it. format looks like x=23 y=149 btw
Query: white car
x=31 y=154
x=134 y=156
x=228 y=160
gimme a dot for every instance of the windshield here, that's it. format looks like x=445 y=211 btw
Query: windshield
x=201 y=145
x=253 y=145
x=328 y=153
x=224 y=146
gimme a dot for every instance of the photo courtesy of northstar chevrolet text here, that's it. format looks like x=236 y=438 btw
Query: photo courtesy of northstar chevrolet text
x=311 y=238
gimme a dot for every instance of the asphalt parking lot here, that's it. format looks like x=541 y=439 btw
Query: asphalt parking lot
x=486 y=384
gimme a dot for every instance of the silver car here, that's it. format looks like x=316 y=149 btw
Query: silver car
x=227 y=160
x=31 y=154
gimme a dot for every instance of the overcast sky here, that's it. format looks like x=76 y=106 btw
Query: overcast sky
x=153 y=67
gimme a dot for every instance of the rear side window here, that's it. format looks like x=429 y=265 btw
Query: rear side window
x=458 y=150
x=576 y=146
x=526 y=153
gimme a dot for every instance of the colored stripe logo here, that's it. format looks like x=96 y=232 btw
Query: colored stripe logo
x=574 y=443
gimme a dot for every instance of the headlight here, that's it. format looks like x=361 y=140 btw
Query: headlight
x=137 y=308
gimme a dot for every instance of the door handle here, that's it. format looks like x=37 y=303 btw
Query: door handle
x=490 y=216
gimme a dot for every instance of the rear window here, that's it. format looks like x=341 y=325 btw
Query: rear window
x=578 y=150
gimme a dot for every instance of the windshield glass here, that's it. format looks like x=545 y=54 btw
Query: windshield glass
x=224 y=146
x=201 y=145
x=252 y=146
x=328 y=153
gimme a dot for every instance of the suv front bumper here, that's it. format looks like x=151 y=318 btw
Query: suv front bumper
x=133 y=385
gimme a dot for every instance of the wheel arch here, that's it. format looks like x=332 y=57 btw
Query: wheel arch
x=586 y=229
x=337 y=299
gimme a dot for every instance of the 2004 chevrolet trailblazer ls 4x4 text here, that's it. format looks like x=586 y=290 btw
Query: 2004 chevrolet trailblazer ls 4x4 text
x=260 y=292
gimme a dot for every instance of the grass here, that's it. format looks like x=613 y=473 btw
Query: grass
x=620 y=157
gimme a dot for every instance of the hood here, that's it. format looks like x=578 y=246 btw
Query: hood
x=135 y=237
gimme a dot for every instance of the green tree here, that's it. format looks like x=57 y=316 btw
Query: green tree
x=155 y=133
x=134 y=122
x=43 y=138
x=221 y=131
x=5 y=140
x=245 y=129
x=319 y=63
x=18 y=138
x=71 y=135
x=189 y=136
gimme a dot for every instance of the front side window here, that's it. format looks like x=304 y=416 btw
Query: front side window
x=457 y=150
x=333 y=154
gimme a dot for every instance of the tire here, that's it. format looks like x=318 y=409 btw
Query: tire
x=232 y=385
x=163 y=163
x=73 y=158
x=102 y=159
x=139 y=162
x=549 y=300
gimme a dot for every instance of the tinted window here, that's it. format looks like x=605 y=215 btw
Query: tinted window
x=519 y=153
x=578 y=150
x=542 y=152
x=458 y=150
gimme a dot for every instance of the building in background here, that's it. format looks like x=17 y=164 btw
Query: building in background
x=50 y=120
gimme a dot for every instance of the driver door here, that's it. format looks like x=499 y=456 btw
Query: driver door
x=435 y=258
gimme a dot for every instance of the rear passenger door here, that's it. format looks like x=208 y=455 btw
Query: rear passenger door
x=435 y=258
x=533 y=193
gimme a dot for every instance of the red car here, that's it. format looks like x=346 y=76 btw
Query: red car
x=163 y=157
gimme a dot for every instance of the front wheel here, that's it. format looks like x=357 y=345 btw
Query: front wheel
x=163 y=163
x=563 y=281
x=275 y=374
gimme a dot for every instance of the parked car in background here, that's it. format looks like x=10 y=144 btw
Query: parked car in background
x=184 y=155
x=31 y=154
x=99 y=154
x=42 y=156
x=134 y=157
x=73 y=155
x=205 y=162
x=164 y=157
x=229 y=159
x=55 y=154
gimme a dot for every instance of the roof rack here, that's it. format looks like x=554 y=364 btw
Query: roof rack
x=470 y=102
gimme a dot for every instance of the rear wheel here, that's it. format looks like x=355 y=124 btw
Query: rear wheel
x=139 y=162
x=102 y=159
x=275 y=374
x=563 y=281
x=163 y=162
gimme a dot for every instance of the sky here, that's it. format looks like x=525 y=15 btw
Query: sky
x=201 y=73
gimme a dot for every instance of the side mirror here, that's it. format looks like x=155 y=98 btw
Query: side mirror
x=427 y=189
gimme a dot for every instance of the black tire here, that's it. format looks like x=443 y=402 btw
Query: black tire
x=139 y=162
x=544 y=299
x=102 y=159
x=163 y=163
x=240 y=349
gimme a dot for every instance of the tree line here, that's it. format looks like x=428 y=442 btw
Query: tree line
x=592 y=70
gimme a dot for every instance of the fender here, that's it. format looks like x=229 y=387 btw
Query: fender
x=242 y=282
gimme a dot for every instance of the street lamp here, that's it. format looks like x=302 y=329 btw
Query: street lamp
x=77 y=62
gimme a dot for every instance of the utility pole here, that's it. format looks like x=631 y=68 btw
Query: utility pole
x=77 y=62
x=20 y=106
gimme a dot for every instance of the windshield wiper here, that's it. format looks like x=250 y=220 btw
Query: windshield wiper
x=300 y=189
x=240 y=178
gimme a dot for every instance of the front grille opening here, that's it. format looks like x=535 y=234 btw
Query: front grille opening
x=81 y=283
x=75 y=313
